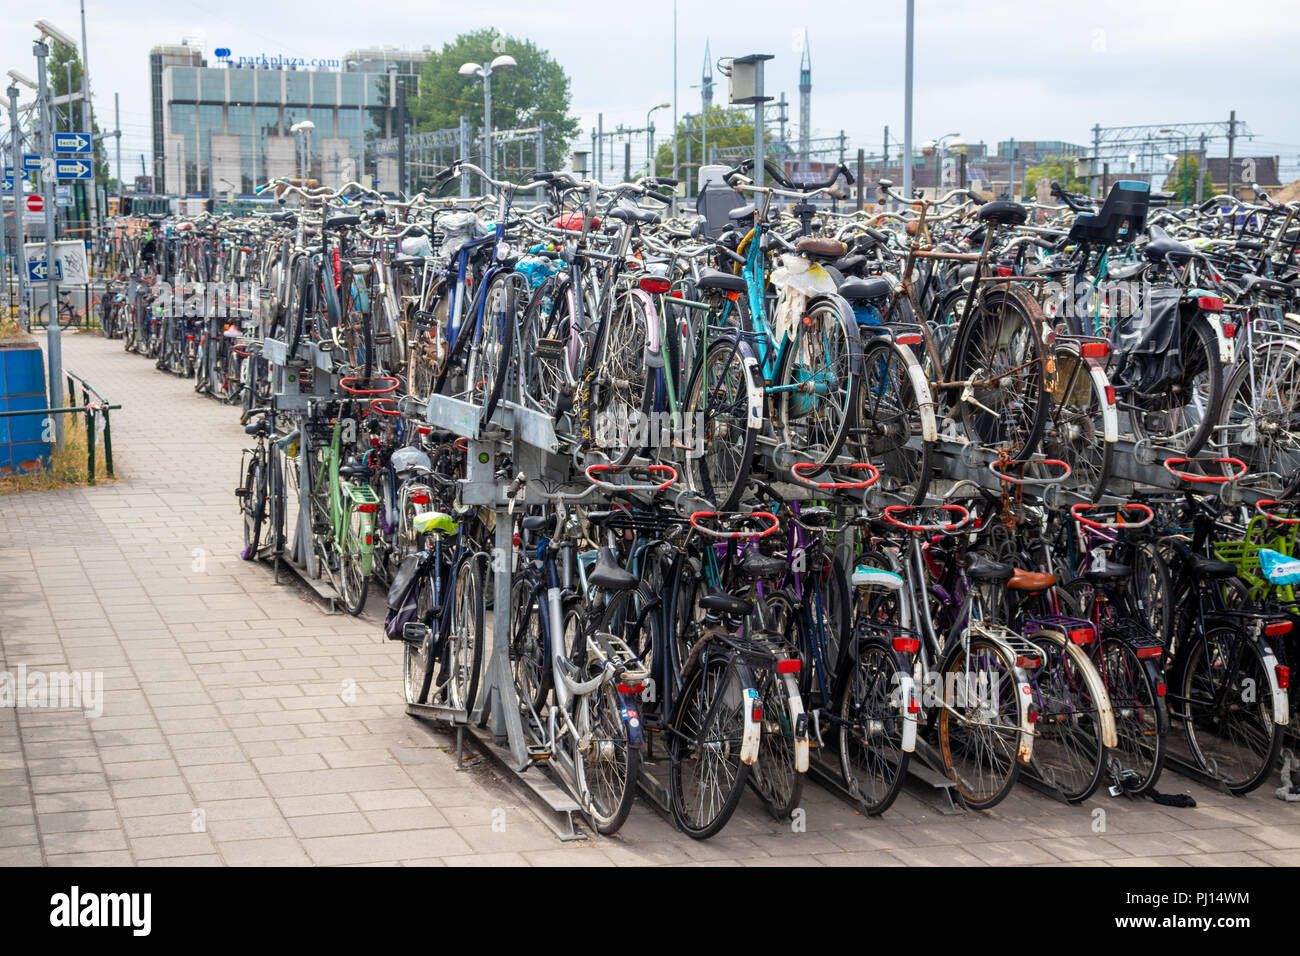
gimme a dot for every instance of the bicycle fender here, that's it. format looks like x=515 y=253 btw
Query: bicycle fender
x=753 y=733
x=1109 y=415
x=796 y=711
x=906 y=695
x=631 y=717
x=653 y=346
x=1281 y=707
x=1084 y=665
x=849 y=318
x=1227 y=347
x=921 y=389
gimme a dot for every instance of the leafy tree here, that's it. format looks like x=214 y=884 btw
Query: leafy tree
x=60 y=60
x=536 y=92
x=1056 y=169
x=1174 y=184
x=728 y=129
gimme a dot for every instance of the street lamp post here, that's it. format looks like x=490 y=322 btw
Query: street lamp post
x=650 y=137
x=304 y=145
x=499 y=65
x=1182 y=166
x=53 y=334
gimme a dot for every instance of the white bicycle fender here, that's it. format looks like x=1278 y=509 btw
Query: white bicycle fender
x=796 y=710
x=1227 y=346
x=753 y=734
x=1281 y=706
x=907 y=694
x=1109 y=415
x=921 y=389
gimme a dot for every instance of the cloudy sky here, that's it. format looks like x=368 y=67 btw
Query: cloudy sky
x=989 y=69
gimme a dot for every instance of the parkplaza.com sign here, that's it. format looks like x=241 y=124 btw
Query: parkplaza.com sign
x=272 y=62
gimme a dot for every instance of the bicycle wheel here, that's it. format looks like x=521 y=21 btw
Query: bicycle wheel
x=252 y=505
x=1139 y=724
x=872 y=759
x=1077 y=435
x=889 y=431
x=605 y=765
x=1068 y=750
x=1260 y=414
x=979 y=722
x=544 y=340
x=1181 y=418
x=462 y=649
x=775 y=778
x=352 y=560
x=528 y=661
x=500 y=326
x=818 y=402
x=1228 y=708
x=724 y=404
x=1000 y=356
x=417 y=660
x=706 y=776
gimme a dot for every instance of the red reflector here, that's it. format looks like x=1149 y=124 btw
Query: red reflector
x=1110 y=394
x=655 y=285
x=790 y=665
x=1160 y=690
x=420 y=499
x=368 y=540
x=424 y=430
x=1283 y=676
x=1004 y=271
x=630 y=688
x=909 y=339
x=1024 y=661
x=733 y=296
x=1033 y=716
x=758 y=714
x=1210 y=303
x=1146 y=653
x=913 y=706
x=908 y=645
x=1094 y=350
x=1082 y=635
x=368 y=509
x=1277 y=627
x=515 y=540
x=1229 y=329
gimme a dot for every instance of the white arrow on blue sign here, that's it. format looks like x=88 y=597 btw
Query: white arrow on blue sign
x=72 y=169
x=6 y=185
x=31 y=161
x=37 y=272
x=72 y=142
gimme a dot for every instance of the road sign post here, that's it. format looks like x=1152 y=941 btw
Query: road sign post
x=53 y=333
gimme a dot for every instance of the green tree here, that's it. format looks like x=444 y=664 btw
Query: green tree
x=1174 y=184
x=535 y=93
x=1056 y=169
x=64 y=62
x=728 y=129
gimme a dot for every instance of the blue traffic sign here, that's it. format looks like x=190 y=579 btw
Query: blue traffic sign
x=72 y=142
x=9 y=172
x=6 y=185
x=31 y=161
x=72 y=169
x=37 y=272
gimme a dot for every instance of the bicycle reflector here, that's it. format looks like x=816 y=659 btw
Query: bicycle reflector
x=1094 y=350
x=1277 y=628
x=368 y=509
x=1209 y=303
x=1283 y=677
x=907 y=645
x=1146 y=653
x=910 y=338
x=420 y=499
x=1081 y=635
x=1229 y=329
x=790 y=665
x=655 y=285
x=631 y=688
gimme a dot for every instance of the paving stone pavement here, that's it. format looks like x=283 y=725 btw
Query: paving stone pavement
x=242 y=726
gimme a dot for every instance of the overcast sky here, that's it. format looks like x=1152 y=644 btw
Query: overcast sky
x=1038 y=69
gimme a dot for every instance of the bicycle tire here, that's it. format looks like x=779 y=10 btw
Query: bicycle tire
x=873 y=762
x=889 y=424
x=1200 y=354
x=807 y=368
x=1067 y=742
x=253 y=506
x=731 y=417
x=1274 y=372
x=694 y=716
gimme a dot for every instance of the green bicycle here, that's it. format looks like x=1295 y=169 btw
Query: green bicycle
x=343 y=506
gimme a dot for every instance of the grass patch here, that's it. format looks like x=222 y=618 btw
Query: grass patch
x=67 y=467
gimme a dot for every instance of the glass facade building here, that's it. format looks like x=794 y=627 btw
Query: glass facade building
x=227 y=129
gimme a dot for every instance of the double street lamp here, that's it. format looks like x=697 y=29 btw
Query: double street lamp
x=650 y=137
x=304 y=166
x=499 y=65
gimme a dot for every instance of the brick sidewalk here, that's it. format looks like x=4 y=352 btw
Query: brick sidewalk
x=243 y=726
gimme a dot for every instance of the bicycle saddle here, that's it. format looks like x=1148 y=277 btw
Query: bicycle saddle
x=762 y=567
x=1254 y=283
x=434 y=521
x=1004 y=212
x=720 y=603
x=876 y=578
x=1107 y=573
x=537 y=522
x=1161 y=245
x=1203 y=567
x=981 y=568
x=821 y=247
x=722 y=281
x=609 y=576
x=876 y=287
x=1030 y=580
x=633 y=214
x=353 y=470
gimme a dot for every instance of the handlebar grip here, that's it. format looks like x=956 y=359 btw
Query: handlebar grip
x=975 y=197
x=848 y=176
x=666 y=181
x=662 y=197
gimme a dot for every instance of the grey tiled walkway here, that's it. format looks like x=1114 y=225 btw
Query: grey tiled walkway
x=242 y=726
